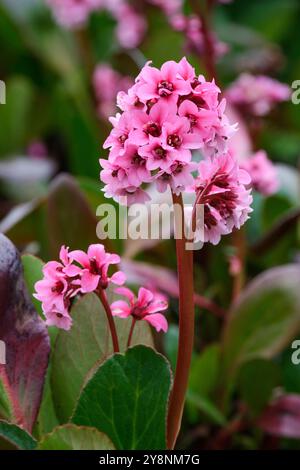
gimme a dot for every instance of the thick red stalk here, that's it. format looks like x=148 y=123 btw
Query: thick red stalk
x=110 y=319
x=186 y=326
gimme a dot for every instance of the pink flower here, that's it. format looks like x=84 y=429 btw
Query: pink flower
x=178 y=176
x=221 y=188
x=118 y=138
x=192 y=28
x=178 y=139
x=257 y=94
x=73 y=13
x=107 y=83
x=147 y=306
x=95 y=264
x=127 y=196
x=59 y=318
x=164 y=83
x=264 y=177
x=131 y=27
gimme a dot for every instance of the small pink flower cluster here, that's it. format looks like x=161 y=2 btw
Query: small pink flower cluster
x=166 y=114
x=222 y=189
x=107 y=83
x=257 y=95
x=78 y=273
x=147 y=306
x=264 y=177
x=191 y=26
x=73 y=13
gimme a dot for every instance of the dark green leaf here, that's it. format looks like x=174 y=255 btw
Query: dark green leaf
x=13 y=437
x=127 y=399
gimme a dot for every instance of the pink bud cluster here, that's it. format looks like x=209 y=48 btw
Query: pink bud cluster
x=166 y=114
x=80 y=272
x=107 y=83
x=257 y=95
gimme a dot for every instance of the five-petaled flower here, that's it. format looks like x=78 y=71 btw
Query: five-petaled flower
x=146 y=306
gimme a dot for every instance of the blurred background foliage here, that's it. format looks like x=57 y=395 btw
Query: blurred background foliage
x=242 y=363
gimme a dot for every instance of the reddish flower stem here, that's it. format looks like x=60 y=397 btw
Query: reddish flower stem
x=186 y=327
x=209 y=52
x=110 y=319
x=131 y=331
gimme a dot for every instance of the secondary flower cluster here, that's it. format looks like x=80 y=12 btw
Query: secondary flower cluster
x=107 y=83
x=78 y=273
x=166 y=114
x=222 y=189
x=264 y=177
x=257 y=95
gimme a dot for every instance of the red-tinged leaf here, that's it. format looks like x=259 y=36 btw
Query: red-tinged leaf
x=282 y=417
x=26 y=340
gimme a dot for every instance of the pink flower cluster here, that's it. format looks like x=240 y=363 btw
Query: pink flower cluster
x=73 y=13
x=166 y=114
x=107 y=83
x=264 y=177
x=147 y=306
x=222 y=189
x=257 y=95
x=77 y=272
x=191 y=26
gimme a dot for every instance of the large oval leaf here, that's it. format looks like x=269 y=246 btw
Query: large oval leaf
x=265 y=318
x=127 y=399
x=26 y=340
x=71 y=437
x=77 y=351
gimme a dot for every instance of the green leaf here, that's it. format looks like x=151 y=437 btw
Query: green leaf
x=71 y=437
x=205 y=371
x=70 y=219
x=127 y=399
x=13 y=437
x=205 y=406
x=256 y=381
x=14 y=115
x=87 y=344
x=33 y=272
x=264 y=320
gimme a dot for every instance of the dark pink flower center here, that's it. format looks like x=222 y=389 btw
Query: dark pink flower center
x=94 y=267
x=152 y=128
x=174 y=140
x=138 y=160
x=160 y=153
x=123 y=138
x=193 y=119
x=59 y=315
x=151 y=103
x=165 y=88
x=114 y=173
x=58 y=287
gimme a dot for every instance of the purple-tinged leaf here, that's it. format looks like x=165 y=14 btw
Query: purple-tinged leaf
x=282 y=417
x=25 y=337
